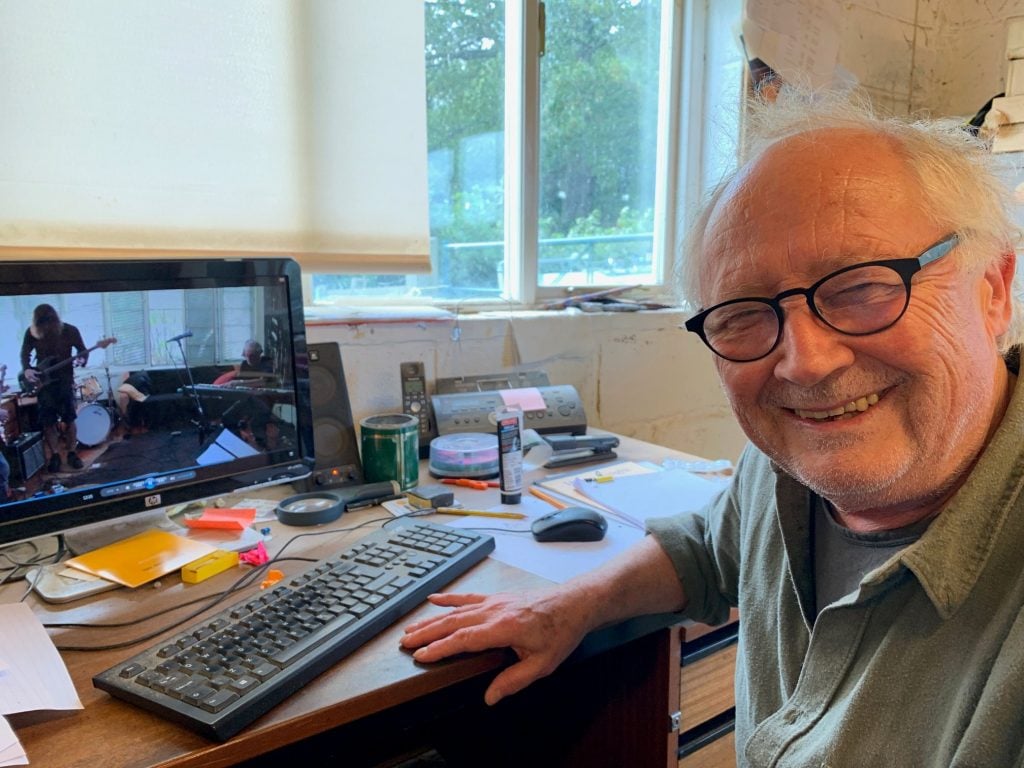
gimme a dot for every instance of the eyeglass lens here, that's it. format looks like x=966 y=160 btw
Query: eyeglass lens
x=857 y=301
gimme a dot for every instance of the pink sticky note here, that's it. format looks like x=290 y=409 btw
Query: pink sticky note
x=527 y=398
x=227 y=519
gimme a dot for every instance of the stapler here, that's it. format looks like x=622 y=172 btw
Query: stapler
x=569 y=450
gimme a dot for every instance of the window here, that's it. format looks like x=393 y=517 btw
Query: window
x=558 y=133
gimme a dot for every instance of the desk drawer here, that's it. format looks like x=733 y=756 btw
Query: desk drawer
x=706 y=687
x=720 y=753
x=707 y=697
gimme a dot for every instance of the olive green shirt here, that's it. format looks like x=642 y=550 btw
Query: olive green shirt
x=921 y=665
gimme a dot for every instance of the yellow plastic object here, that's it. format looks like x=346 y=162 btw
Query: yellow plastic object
x=210 y=565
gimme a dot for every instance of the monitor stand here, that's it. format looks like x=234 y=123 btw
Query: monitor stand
x=53 y=582
x=90 y=537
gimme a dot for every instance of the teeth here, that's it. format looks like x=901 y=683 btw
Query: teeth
x=859 y=405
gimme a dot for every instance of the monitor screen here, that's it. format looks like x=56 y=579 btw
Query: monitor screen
x=134 y=385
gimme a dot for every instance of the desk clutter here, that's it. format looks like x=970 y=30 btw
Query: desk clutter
x=223 y=672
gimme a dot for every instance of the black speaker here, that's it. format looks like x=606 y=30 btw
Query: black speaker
x=26 y=455
x=334 y=436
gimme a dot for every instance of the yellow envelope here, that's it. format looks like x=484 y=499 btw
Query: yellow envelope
x=141 y=558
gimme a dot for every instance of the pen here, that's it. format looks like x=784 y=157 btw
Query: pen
x=479 y=513
x=465 y=482
x=549 y=499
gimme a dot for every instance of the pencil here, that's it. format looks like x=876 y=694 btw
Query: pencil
x=549 y=499
x=479 y=513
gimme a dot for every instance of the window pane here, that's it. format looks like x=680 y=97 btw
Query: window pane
x=599 y=120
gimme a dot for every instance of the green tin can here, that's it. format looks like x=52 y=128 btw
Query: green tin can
x=390 y=449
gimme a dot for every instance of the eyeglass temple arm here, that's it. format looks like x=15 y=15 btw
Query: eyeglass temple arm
x=938 y=250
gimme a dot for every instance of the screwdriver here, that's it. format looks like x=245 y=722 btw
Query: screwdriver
x=465 y=482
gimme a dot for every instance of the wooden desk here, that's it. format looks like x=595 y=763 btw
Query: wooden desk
x=612 y=704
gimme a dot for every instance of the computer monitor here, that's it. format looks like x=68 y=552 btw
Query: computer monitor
x=166 y=408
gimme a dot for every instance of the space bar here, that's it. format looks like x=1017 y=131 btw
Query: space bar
x=286 y=656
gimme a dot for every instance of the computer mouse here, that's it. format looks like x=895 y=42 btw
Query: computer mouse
x=570 y=524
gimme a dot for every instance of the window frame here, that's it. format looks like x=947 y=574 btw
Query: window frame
x=680 y=166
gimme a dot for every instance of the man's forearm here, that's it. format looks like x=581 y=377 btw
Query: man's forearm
x=640 y=581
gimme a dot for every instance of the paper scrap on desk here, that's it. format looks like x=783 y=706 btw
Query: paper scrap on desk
x=37 y=678
x=656 y=494
x=11 y=751
x=140 y=559
x=226 y=519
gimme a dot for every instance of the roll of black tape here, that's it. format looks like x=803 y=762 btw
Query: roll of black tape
x=313 y=508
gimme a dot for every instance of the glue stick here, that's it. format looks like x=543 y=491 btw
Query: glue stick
x=510 y=454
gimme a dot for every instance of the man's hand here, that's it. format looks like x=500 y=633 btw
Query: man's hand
x=32 y=375
x=542 y=627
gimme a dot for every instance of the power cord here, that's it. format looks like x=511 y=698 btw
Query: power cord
x=208 y=601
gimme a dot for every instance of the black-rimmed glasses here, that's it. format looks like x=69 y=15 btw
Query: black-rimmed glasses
x=857 y=301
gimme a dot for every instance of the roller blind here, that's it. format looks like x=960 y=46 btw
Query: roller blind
x=227 y=126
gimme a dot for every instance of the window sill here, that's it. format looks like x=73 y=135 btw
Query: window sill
x=381 y=315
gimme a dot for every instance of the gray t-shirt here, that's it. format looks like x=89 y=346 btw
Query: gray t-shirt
x=842 y=557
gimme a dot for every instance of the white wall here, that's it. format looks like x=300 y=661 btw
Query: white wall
x=638 y=374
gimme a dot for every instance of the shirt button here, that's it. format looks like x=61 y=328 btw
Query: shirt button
x=791 y=716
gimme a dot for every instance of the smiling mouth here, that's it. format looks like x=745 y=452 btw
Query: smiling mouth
x=847 y=411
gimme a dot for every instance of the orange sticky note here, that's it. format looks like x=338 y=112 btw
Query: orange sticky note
x=227 y=519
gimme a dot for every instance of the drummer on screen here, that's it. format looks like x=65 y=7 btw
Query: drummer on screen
x=46 y=348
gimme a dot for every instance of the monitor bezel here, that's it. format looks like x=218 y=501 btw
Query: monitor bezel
x=65 y=512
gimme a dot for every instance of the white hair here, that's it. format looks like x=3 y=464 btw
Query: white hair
x=960 y=184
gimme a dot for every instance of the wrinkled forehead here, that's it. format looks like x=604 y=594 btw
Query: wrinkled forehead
x=809 y=204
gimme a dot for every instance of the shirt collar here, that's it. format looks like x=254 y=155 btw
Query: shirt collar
x=950 y=556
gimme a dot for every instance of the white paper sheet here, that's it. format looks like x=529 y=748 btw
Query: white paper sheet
x=656 y=494
x=515 y=545
x=11 y=751
x=35 y=678
x=799 y=40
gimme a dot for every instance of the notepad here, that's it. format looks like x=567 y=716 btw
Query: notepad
x=637 y=497
x=142 y=558
x=565 y=484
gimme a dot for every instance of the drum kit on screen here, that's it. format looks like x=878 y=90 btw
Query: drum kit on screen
x=95 y=419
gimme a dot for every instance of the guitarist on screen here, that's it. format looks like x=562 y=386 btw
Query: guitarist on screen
x=53 y=343
x=5 y=468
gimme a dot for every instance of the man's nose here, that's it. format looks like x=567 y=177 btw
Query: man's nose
x=809 y=350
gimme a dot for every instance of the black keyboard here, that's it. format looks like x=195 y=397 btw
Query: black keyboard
x=223 y=672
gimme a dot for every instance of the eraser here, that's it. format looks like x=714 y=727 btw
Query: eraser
x=209 y=565
x=430 y=496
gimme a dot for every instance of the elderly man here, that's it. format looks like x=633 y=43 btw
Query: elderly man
x=857 y=279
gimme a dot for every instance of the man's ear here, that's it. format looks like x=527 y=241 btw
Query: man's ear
x=998 y=280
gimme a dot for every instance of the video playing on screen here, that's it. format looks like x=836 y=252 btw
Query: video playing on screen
x=112 y=393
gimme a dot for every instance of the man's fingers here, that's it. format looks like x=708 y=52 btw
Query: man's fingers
x=515 y=678
x=451 y=599
x=447 y=601
x=452 y=635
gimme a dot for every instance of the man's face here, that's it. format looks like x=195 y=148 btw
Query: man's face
x=251 y=354
x=807 y=208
